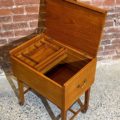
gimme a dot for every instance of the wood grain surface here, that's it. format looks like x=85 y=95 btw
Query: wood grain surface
x=75 y=25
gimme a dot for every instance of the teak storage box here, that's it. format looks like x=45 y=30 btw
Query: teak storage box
x=60 y=63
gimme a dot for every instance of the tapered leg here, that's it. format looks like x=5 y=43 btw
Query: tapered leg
x=64 y=115
x=86 y=103
x=21 y=92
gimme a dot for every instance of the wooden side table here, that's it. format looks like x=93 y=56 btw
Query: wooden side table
x=60 y=63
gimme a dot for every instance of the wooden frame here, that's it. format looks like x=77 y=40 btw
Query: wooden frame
x=83 y=107
x=36 y=78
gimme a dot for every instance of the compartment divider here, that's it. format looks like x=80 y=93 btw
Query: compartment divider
x=52 y=60
x=38 y=44
x=26 y=60
x=34 y=50
x=50 y=44
x=84 y=59
x=27 y=56
x=80 y=52
x=50 y=57
x=52 y=64
x=30 y=53
x=31 y=48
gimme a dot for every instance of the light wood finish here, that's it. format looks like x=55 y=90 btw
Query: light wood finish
x=53 y=63
x=53 y=60
x=38 y=82
x=72 y=50
x=79 y=83
x=60 y=64
x=26 y=44
x=49 y=58
x=76 y=25
x=65 y=80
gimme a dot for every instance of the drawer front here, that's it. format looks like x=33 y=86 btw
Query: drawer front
x=37 y=81
x=79 y=83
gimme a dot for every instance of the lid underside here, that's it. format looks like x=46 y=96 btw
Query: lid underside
x=75 y=25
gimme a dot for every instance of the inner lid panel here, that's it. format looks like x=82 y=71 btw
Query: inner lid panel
x=74 y=25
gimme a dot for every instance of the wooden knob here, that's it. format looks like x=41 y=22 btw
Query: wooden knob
x=81 y=86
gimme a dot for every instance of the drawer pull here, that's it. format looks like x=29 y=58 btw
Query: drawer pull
x=85 y=80
x=81 y=86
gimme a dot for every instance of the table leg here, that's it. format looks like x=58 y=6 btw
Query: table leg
x=86 y=103
x=21 y=92
x=64 y=115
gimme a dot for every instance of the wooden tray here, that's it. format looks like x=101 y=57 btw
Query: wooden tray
x=52 y=59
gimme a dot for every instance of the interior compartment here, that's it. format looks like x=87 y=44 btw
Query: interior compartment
x=38 y=52
x=52 y=59
x=67 y=68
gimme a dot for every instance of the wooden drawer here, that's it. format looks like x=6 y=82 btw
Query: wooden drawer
x=79 y=83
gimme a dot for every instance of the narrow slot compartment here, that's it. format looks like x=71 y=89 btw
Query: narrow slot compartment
x=41 y=52
x=51 y=61
x=38 y=52
x=25 y=60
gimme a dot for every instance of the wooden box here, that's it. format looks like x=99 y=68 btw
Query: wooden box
x=60 y=63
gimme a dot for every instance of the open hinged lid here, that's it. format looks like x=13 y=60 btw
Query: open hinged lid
x=75 y=24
